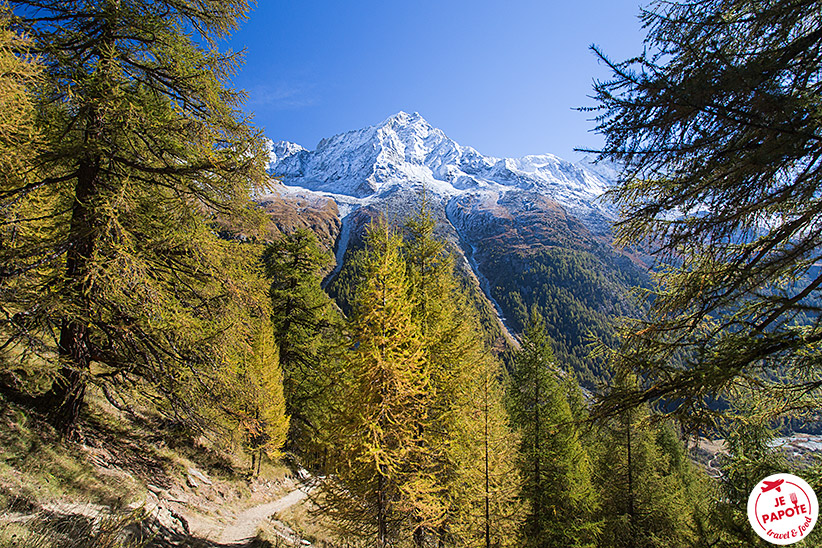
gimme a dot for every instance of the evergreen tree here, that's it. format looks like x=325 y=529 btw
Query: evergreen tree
x=375 y=485
x=306 y=328
x=484 y=492
x=652 y=495
x=749 y=456
x=554 y=465
x=256 y=397
x=144 y=148
x=718 y=127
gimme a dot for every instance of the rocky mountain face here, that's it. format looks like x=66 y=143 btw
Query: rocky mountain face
x=532 y=230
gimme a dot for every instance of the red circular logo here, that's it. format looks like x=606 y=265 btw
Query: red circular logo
x=783 y=509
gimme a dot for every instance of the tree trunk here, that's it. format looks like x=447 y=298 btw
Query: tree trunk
x=382 y=529
x=537 y=493
x=419 y=536
x=631 y=511
x=487 y=474
x=65 y=397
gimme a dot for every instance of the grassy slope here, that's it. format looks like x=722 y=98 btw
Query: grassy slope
x=121 y=471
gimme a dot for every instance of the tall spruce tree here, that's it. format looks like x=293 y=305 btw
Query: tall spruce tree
x=555 y=467
x=484 y=490
x=652 y=494
x=307 y=329
x=144 y=148
x=374 y=484
x=718 y=124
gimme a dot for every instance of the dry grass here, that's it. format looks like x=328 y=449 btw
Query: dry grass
x=59 y=494
x=37 y=467
x=56 y=530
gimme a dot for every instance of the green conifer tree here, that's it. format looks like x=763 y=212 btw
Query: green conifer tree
x=717 y=124
x=484 y=492
x=749 y=456
x=307 y=329
x=652 y=494
x=555 y=467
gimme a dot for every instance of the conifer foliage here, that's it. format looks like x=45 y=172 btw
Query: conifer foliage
x=420 y=448
x=255 y=398
x=379 y=429
x=555 y=466
x=307 y=330
x=718 y=127
x=144 y=147
x=652 y=494
x=19 y=72
x=469 y=448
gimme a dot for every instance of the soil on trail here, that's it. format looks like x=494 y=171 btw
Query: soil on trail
x=245 y=526
x=223 y=529
x=130 y=476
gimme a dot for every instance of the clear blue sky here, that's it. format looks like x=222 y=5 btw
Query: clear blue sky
x=500 y=76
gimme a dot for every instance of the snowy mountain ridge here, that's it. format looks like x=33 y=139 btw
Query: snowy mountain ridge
x=405 y=152
x=517 y=225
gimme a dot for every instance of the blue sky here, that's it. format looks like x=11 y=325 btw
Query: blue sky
x=502 y=77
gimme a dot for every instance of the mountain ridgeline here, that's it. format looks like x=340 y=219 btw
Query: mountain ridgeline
x=529 y=231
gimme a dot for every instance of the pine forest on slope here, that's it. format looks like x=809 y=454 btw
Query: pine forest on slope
x=530 y=231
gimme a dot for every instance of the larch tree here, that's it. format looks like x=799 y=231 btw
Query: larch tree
x=254 y=399
x=19 y=74
x=555 y=467
x=468 y=469
x=373 y=484
x=718 y=125
x=20 y=142
x=144 y=150
x=447 y=353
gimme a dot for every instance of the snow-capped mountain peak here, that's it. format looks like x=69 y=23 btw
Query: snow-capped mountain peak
x=281 y=150
x=406 y=152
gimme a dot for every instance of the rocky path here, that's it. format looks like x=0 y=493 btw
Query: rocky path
x=245 y=526
x=169 y=522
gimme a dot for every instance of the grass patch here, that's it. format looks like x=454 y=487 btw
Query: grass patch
x=97 y=530
x=36 y=466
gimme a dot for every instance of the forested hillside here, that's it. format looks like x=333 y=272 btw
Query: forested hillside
x=180 y=353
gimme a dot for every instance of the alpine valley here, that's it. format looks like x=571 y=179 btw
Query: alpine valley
x=530 y=231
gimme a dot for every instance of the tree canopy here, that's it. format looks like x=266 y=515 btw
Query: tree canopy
x=111 y=258
x=718 y=125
